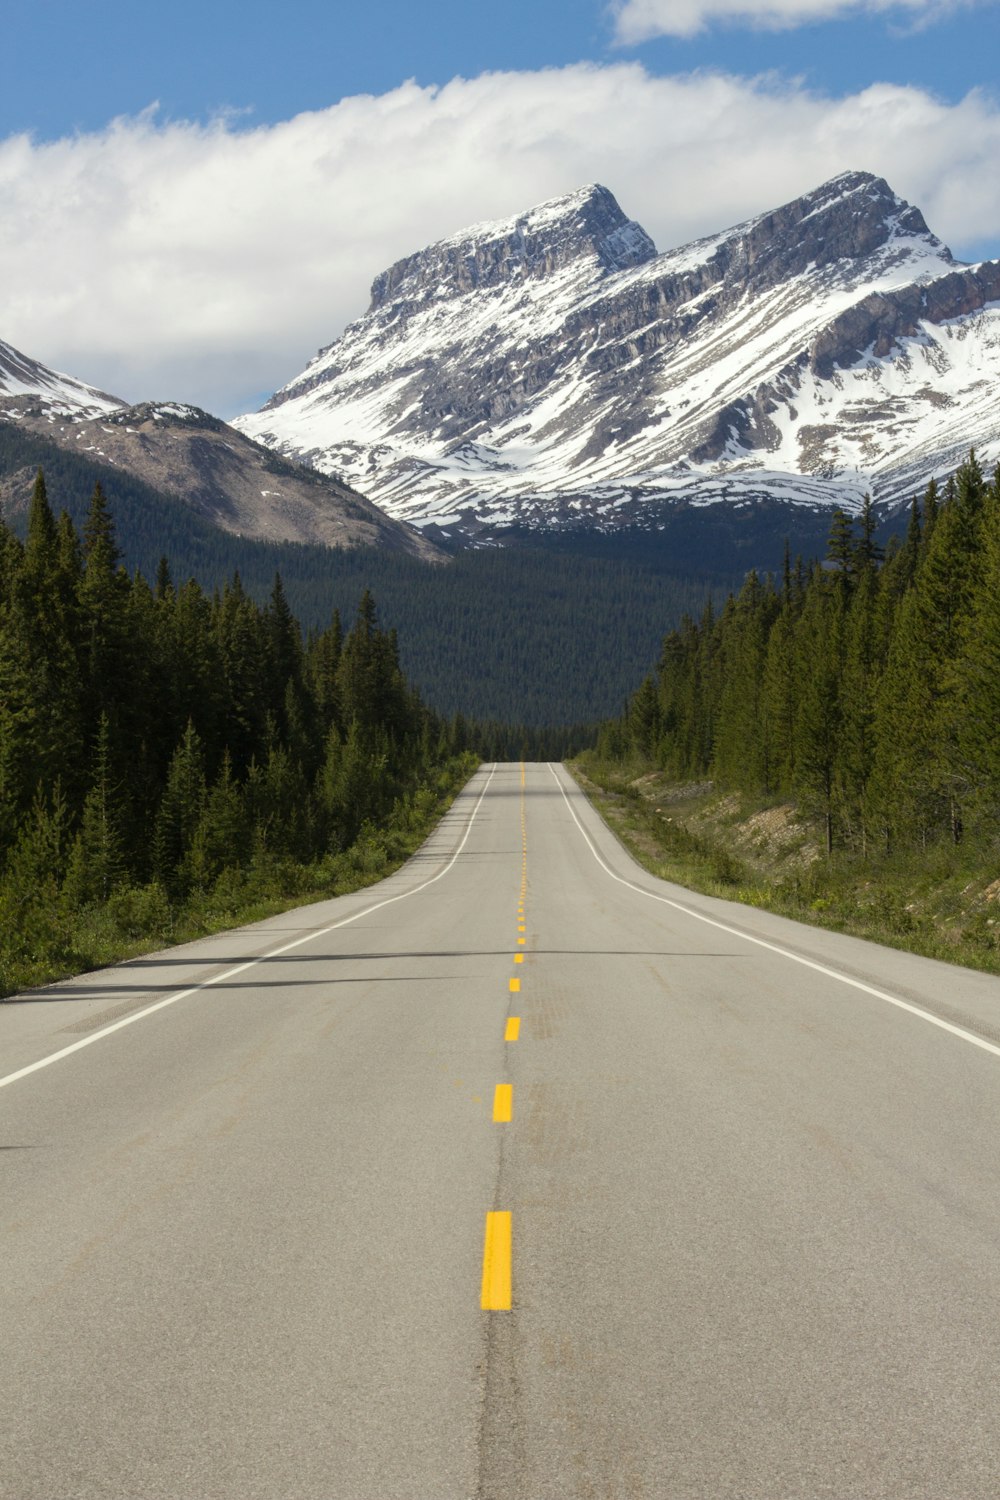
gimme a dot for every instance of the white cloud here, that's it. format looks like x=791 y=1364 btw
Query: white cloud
x=207 y=263
x=639 y=20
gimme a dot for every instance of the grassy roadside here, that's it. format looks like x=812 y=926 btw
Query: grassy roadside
x=43 y=939
x=943 y=902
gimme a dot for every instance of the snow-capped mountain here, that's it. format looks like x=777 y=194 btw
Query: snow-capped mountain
x=234 y=483
x=25 y=381
x=555 y=368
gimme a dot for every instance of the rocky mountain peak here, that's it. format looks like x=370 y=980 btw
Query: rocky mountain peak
x=553 y=367
x=848 y=219
x=587 y=225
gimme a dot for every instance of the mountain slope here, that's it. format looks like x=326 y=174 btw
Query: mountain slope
x=224 y=477
x=26 y=382
x=554 y=369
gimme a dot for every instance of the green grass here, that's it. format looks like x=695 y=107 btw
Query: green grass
x=934 y=902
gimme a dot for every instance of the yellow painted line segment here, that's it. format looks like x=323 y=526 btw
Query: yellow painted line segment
x=496 y=1263
x=513 y=1029
x=503 y=1103
x=515 y=985
x=521 y=941
x=519 y=958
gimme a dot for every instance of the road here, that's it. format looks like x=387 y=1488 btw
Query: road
x=750 y=1170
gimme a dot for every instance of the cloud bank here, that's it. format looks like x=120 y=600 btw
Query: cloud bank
x=207 y=263
x=639 y=20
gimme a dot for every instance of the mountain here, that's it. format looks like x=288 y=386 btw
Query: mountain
x=181 y=452
x=589 y=625
x=24 y=383
x=554 y=370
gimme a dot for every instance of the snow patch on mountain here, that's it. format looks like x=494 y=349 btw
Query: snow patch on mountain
x=555 y=366
x=25 y=382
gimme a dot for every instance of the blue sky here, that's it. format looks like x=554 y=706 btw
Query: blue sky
x=74 y=66
x=203 y=249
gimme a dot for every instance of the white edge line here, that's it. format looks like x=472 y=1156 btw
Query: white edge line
x=309 y=937
x=796 y=958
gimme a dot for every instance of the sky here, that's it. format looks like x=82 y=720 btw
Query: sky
x=195 y=198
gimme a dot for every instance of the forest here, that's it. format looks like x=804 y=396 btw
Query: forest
x=169 y=758
x=540 y=632
x=866 y=687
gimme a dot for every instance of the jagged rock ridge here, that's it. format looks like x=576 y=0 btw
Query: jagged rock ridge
x=554 y=367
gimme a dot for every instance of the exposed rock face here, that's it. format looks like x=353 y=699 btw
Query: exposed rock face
x=231 y=481
x=554 y=365
x=589 y=225
x=881 y=321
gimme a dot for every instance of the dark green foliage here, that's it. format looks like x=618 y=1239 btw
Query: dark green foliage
x=157 y=746
x=539 y=632
x=868 y=690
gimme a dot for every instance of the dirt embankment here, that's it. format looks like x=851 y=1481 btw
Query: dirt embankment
x=943 y=901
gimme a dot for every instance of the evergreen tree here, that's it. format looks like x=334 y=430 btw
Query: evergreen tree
x=97 y=862
x=222 y=839
x=181 y=808
x=818 y=716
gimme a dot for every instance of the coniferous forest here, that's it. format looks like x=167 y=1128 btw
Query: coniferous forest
x=533 y=632
x=171 y=760
x=866 y=687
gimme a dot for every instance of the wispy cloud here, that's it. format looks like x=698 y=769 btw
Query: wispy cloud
x=207 y=263
x=640 y=20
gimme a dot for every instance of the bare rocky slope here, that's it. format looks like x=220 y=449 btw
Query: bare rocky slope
x=555 y=370
x=228 y=479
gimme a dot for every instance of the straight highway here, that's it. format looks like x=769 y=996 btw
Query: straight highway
x=520 y=1176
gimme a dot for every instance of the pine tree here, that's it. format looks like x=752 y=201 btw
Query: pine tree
x=742 y=748
x=97 y=862
x=181 y=808
x=781 y=689
x=858 y=688
x=645 y=719
x=841 y=548
x=41 y=548
x=978 y=672
x=222 y=839
x=818 y=717
x=107 y=655
x=867 y=553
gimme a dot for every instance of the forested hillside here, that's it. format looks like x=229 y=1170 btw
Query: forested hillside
x=162 y=750
x=868 y=689
x=533 y=633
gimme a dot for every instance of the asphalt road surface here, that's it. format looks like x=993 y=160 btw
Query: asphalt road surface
x=377 y=1201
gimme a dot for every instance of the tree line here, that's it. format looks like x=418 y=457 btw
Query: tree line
x=867 y=686
x=543 y=631
x=157 y=738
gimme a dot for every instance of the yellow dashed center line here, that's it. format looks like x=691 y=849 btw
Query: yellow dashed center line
x=496 y=1263
x=496 y=1288
x=503 y=1103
